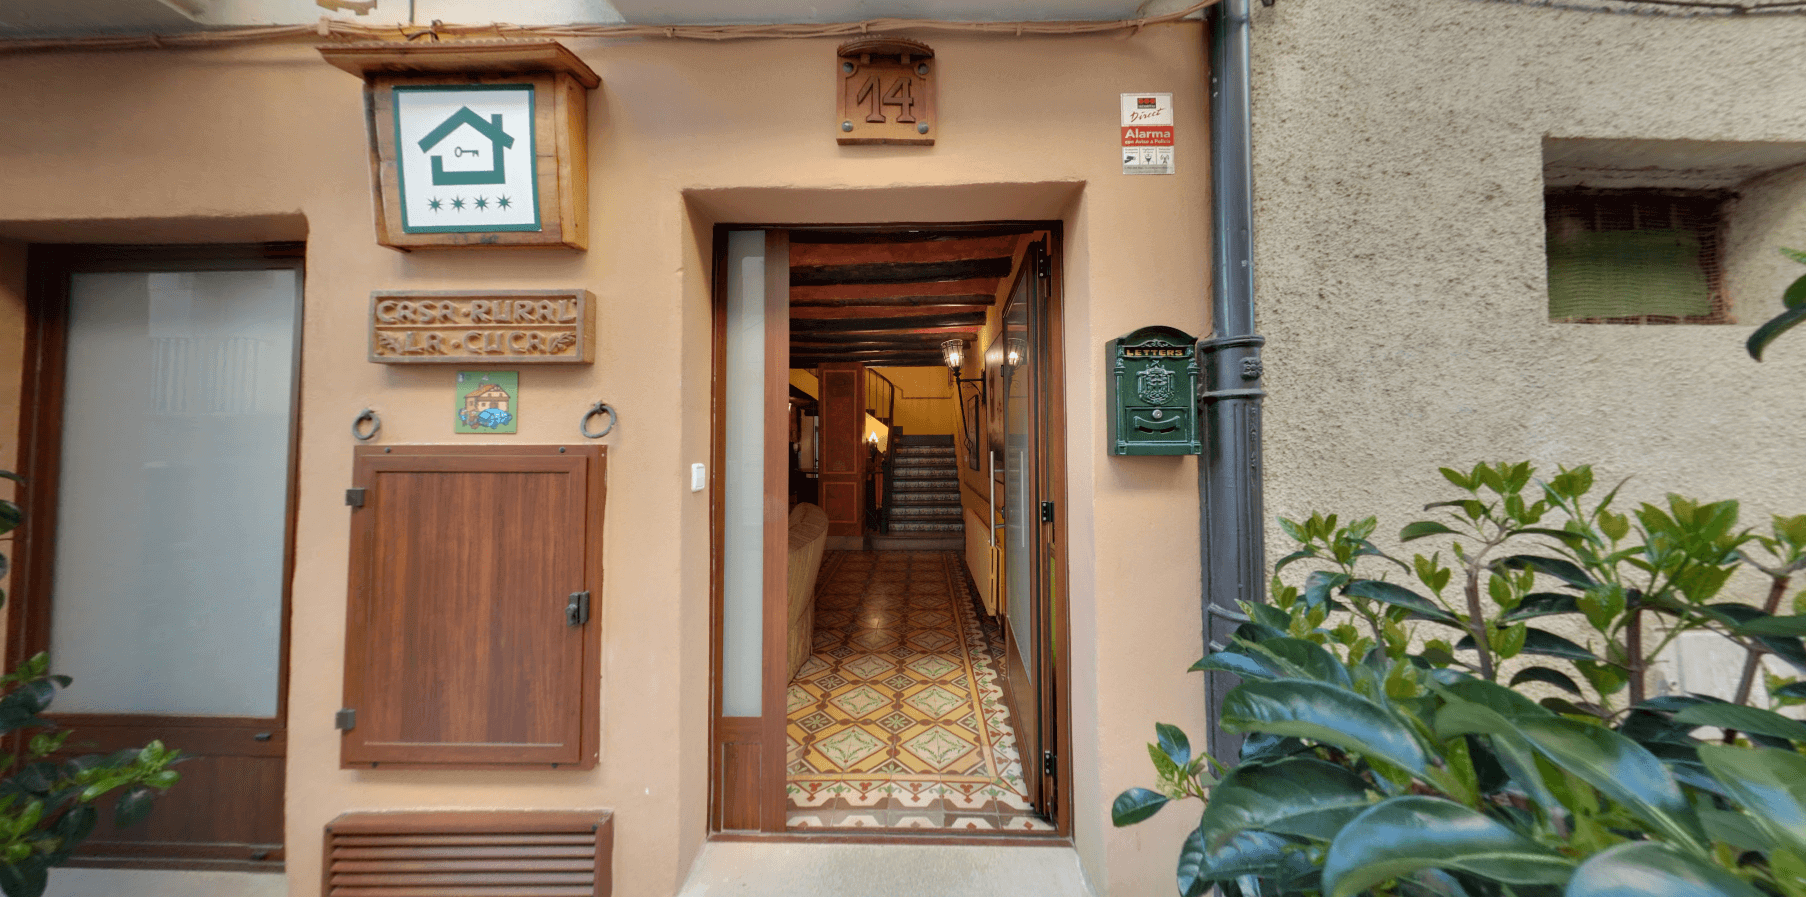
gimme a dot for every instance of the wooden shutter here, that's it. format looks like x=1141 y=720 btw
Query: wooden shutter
x=458 y=648
x=469 y=854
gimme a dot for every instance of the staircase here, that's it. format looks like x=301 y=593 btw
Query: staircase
x=922 y=510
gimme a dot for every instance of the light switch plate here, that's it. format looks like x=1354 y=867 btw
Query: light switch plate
x=699 y=477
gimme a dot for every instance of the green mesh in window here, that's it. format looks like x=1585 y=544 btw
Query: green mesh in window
x=1627 y=273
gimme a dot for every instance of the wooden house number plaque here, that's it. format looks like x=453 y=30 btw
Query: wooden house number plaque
x=886 y=92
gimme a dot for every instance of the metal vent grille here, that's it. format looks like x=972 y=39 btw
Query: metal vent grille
x=466 y=854
x=1606 y=267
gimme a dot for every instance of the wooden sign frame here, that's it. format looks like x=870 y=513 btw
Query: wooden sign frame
x=557 y=84
x=482 y=327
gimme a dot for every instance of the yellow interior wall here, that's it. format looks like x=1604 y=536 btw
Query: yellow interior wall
x=806 y=381
x=925 y=405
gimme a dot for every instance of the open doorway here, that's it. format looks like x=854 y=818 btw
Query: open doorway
x=890 y=650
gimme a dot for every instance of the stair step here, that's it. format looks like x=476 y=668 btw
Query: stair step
x=925 y=473
x=900 y=486
x=904 y=450
x=925 y=497
x=947 y=461
x=925 y=512
x=922 y=526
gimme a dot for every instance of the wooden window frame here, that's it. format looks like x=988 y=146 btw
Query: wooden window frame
x=1708 y=205
x=49 y=269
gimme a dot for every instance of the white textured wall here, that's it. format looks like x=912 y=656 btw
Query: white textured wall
x=1401 y=272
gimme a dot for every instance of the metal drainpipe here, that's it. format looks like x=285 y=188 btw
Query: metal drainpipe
x=1229 y=485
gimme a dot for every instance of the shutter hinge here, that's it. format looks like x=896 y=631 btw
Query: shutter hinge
x=1047 y=763
x=1047 y=512
x=355 y=497
x=576 y=609
x=1043 y=265
x=345 y=720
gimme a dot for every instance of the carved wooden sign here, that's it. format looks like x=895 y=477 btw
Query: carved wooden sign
x=501 y=327
x=886 y=92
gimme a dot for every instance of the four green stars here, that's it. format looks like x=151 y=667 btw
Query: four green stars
x=457 y=203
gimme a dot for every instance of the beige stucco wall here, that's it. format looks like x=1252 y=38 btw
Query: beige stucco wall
x=1400 y=256
x=268 y=142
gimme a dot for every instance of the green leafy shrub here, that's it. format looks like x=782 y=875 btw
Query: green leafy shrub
x=47 y=800
x=1387 y=750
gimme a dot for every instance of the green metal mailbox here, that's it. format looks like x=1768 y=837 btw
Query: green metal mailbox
x=1153 y=396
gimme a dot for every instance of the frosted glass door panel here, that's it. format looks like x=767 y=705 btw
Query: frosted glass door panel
x=743 y=501
x=172 y=503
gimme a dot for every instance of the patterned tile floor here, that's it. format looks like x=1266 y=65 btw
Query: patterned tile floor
x=898 y=720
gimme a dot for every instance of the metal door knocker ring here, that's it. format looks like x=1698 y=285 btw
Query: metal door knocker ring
x=376 y=426
x=598 y=408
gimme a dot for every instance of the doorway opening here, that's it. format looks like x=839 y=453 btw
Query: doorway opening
x=890 y=637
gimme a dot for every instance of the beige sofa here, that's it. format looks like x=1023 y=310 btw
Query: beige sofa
x=808 y=537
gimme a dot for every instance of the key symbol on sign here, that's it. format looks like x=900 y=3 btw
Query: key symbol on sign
x=461 y=151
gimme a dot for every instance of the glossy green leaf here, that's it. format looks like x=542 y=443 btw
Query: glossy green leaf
x=1458 y=718
x=1753 y=720
x=1173 y=743
x=1561 y=535
x=1792 y=690
x=1399 y=596
x=1488 y=694
x=1325 y=713
x=25 y=879
x=133 y=806
x=1238 y=663
x=1791 y=625
x=1547 y=676
x=1423 y=528
x=1775 y=326
x=1135 y=805
x=1564 y=570
x=1541 y=604
x=1736 y=829
x=1293 y=558
x=1652 y=869
x=1192 y=865
x=1403 y=835
x=1769 y=783
x=1544 y=642
x=1301 y=659
x=1304 y=797
x=1619 y=768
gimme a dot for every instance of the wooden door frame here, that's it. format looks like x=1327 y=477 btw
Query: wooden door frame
x=771 y=726
x=49 y=268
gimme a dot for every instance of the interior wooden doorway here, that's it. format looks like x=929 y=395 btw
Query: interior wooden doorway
x=894 y=295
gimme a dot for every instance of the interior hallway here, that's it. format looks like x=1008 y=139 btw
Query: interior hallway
x=899 y=719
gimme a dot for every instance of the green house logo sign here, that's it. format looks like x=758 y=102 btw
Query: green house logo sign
x=499 y=142
x=465 y=158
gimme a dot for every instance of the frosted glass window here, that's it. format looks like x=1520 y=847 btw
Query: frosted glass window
x=743 y=503
x=173 y=493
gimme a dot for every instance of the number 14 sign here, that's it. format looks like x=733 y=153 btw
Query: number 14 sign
x=886 y=92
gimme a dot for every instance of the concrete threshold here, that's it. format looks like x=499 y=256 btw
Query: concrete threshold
x=792 y=869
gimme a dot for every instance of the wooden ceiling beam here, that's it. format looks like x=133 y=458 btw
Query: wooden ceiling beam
x=879 y=312
x=871 y=359
x=900 y=272
x=822 y=254
x=967 y=321
x=893 y=293
x=892 y=235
